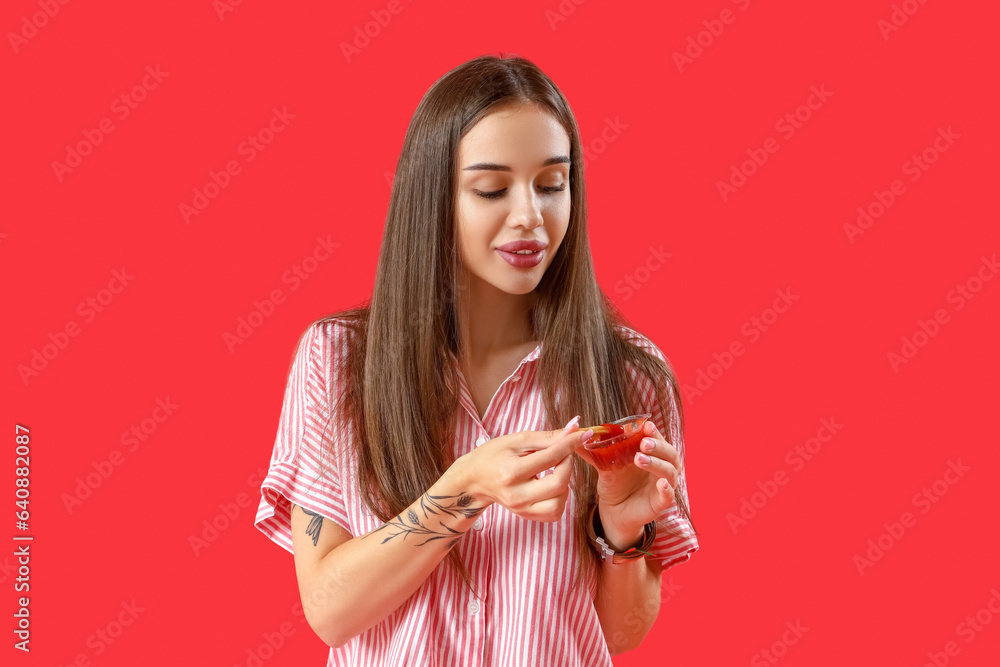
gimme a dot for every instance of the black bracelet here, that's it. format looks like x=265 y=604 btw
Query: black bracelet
x=608 y=554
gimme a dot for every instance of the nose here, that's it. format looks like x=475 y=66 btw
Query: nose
x=526 y=211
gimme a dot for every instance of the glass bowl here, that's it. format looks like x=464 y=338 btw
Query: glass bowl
x=617 y=449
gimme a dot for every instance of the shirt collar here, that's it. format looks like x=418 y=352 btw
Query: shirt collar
x=532 y=356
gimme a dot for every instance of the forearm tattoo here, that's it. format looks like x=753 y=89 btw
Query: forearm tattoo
x=410 y=523
x=315 y=524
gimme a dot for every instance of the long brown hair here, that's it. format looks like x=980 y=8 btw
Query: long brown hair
x=398 y=404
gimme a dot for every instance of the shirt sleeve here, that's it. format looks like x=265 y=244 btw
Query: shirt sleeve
x=303 y=469
x=675 y=540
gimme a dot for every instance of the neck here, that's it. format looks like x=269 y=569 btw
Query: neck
x=491 y=321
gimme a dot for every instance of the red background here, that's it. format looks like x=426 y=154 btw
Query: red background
x=654 y=185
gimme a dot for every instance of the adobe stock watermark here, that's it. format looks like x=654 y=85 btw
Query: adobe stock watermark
x=697 y=43
x=364 y=34
x=269 y=646
x=122 y=106
x=914 y=168
x=958 y=297
x=797 y=457
x=779 y=647
x=104 y=467
x=900 y=14
x=752 y=329
x=968 y=629
x=30 y=26
x=272 y=641
x=633 y=281
x=923 y=501
x=228 y=513
x=294 y=277
x=786 y=126
x=249 y=149
x=562 y=12
x=223 y=7
x=59 y=340
x=609 y=134
x=7 y=569
x=104 y=637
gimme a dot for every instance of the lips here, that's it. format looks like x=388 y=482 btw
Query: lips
x=514 y=246
x=523 y=254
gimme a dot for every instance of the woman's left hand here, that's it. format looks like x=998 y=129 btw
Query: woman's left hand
x=632 y=496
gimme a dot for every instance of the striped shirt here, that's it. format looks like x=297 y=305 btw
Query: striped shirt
x=528 y=612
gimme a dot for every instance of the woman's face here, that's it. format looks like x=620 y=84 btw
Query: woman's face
x=513 y=194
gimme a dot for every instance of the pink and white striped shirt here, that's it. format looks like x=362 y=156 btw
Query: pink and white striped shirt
x=528 y=612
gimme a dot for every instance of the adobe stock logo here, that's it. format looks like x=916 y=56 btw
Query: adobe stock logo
x=923 y=500
x=609 y=134
x=787 y=125
x=898 y=18
x=634 y=280
x=362 y=38
x=925 y=330
x=565 y=9
x=779 y=648
x=60 y=339
x=104 y=468
x=249 y=148
x=104 y=637
x=38 y=20
x=753 y=329
x=122 y=106
x=714 y=28
x=263 y=309
x=797 y=457
x=229 y=512
x=915 y=167
x=968 y=629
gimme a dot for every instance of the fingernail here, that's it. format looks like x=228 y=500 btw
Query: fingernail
x=587 y=435
x=643 y=459
x=572 y=424
x=648 y=444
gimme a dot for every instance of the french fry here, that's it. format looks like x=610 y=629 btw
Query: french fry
x=604 y=429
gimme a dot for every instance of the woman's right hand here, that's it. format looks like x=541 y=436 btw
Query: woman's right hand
x=505 y=470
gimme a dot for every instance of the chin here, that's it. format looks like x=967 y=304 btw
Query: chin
x=518 y=288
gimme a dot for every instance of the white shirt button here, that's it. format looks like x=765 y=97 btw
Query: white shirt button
x=474 y=607
x=478 y=525
x=481 y=439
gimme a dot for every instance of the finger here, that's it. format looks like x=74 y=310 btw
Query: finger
x=586 y=456
x=657 y=466
x=562 y=473
x=530 y=443
x=542 y=459
x=555 y=485
x=565 y=467
x=548 y=510
x=659 y=448
x=649 y=428
x=664 y=497
x=571 y=425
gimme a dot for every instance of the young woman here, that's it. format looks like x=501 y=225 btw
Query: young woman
x=438 y=510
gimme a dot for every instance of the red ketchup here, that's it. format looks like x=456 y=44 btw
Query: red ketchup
x=614 y=445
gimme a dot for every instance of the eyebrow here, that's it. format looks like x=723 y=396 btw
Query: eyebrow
x=492 y=166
